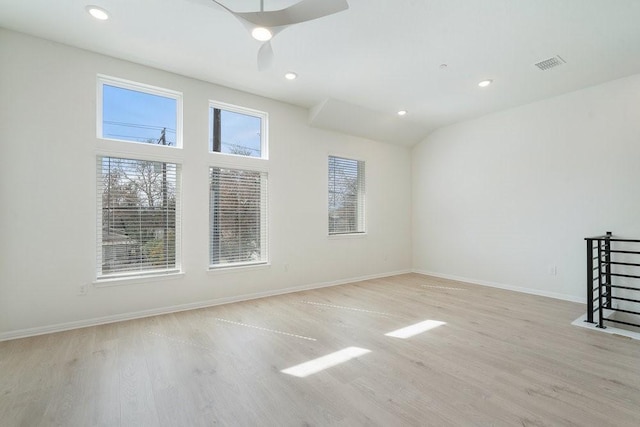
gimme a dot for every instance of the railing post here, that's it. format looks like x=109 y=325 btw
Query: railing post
x=590 y=280
x=607 y=260
x=600 y=308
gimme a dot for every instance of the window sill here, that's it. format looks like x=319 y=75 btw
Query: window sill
x=238 y=268
x=132 y=280
x=347 y=236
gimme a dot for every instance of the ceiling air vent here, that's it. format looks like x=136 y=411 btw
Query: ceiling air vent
x=550 y=63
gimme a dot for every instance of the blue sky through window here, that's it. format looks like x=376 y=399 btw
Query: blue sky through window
x=240 y=133
x=137 y=116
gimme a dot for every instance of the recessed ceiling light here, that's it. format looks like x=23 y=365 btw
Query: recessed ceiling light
x=98 y=12
x=262 y=34
x=402 y=112
x=485 y=83
x=290 y=75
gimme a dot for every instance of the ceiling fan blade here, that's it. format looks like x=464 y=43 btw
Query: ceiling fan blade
x=248 y=24
x=278 y=20
x=265 y=56
x=305 y=10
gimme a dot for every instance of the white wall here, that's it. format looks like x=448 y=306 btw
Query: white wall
x=502 y=199
x=47 y=193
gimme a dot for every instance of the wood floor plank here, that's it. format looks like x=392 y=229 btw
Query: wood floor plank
x=498 y=358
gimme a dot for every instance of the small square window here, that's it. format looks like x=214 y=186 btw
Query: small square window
x=138 y=113
x=238 y=131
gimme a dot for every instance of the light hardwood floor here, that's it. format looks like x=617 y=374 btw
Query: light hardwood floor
x=502 y=358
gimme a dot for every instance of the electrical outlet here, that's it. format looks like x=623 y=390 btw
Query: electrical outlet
x=286 y=268
x=83 y=290
x=553 y=270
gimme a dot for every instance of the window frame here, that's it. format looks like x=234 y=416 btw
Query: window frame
x=264 y=128
x=105 y=279
x=103 y=80
x=361 y=218
x=132 y=150
x=264 y=218
x=245 y=163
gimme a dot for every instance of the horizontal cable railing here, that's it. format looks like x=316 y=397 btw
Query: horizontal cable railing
x=605 y=297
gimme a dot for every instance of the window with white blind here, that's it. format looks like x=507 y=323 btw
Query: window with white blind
x=238 y=217
x=138 y=217
x=346 y=196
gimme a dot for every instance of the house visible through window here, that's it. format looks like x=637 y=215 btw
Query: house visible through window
x=138 y=216
x=237 y=130
x=138 y=198
x=238 y=217
x=346 y=196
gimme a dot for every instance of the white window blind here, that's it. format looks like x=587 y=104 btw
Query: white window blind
x=138 y=216
x=346 y=196
x=238 y=217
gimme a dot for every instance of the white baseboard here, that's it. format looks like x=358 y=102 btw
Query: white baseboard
x=29 y=332
x=581 y=322
x=531 y=291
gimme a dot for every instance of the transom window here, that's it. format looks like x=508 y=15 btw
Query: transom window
x=136 y=112
x=346 y=196
x=237 y=130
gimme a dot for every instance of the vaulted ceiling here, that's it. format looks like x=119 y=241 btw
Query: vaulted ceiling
x=357 y=68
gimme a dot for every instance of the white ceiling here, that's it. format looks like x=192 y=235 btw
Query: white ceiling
x=358 y=67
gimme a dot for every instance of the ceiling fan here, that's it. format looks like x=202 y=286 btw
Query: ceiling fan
x=264 y=25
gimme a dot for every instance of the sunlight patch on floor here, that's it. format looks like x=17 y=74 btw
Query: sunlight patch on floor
x=264 y=329
x=321 y=363
x=415 y=329
x=347 y=308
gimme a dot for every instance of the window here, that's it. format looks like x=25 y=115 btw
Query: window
x=238 y=220
x=138 y=216
x=135 y=112
x=346 y=196
x=238 y=192
x=138 y=197
x=237 y=130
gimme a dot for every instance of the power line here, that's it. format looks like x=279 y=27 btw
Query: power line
x=138 y=125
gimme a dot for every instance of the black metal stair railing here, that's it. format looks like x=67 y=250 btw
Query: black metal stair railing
x=603 y=296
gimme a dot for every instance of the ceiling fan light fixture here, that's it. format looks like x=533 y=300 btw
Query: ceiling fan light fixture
x=265 y=24
x=97 y=12
x=261 y=34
